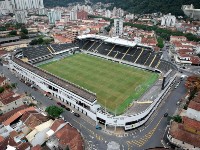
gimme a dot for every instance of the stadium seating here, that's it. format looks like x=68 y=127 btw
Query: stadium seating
x=137 y=54
x=105 y=48
x=61 y=47
x=142 y=59
x=87 y=45
x=156 y=60
x=35 y=52
x=94 y=46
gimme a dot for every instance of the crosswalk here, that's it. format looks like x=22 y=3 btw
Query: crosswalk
x=141 y=141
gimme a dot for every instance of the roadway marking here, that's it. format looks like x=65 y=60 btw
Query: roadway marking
x=141 y=141
x=98 y=137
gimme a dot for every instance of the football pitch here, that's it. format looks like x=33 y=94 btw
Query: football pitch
x=116 y=85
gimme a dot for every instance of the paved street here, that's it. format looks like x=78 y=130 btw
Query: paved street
x=147 y=136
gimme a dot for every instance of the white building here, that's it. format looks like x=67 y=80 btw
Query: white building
x=20 y=16
x=168 y=20
x=54 y=15
x=27 y=4
x=118 y=27
x=191 y=12
x=108 y=13
x=5 y=7
x=130 y=16
x=73 y=15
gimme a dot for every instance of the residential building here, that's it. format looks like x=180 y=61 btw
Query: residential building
x=11 y=101
x=108 y=13
x=177 y=38
x=27 y=4
x=73 y=15
x=20 y=16
x=168 y=20
x=62 y=135
x=54 y=15
x=118 y=27
x=82 y=15
x=186 y=135
x=38 y=135
x=191 y=12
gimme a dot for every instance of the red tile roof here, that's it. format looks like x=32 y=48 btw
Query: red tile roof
x=177 y=132
x=7 y=115
x=37 y=147
x=194 y=105
x=71 y=137
x=17 y=115
x=33 y=119
x=197 y=98
x=10 y=99
x=56 y=124
x=2 y=79
x=1 y=138
x=10 y=141
x=191 y=123
x=195 y=60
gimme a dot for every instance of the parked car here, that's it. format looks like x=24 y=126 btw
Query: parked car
x=59 y=103
x=67 y=108
x=98 y=127
x=76 y=114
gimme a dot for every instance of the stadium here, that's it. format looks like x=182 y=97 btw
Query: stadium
x=113 y=81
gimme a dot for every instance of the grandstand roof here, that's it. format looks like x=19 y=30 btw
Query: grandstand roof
x=114 y=40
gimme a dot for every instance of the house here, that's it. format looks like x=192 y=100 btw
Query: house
x=186 y=134
x=177 y=38
x=38 y=135
x=14 y=141
x=12 y=101
x=62 y=134
x=31 y=120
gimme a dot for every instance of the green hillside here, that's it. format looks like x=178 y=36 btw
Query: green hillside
x=138 y=6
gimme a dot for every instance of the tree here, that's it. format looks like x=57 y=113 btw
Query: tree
x=13 y=32
x=177 y=118
x=54 y=111
x=24 y=30
x=34 y=42
x=40 y=41
x=160 y=42
x=1 y=89
x=23 y=36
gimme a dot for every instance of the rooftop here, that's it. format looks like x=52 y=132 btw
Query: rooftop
x=191 y=123
x=71 y=137
x=194 y=105
x=33 y=119
x=7 y=115
x=17 y=114
x=56 y=124
x=10 y=99
x=177 y=131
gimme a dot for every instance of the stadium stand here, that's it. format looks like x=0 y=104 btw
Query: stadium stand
x=138 y=54
x=36 y=54
x=59 y=81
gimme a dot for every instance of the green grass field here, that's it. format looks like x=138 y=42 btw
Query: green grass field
x=116 y=85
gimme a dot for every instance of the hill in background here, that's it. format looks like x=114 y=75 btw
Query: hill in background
x=137 y=6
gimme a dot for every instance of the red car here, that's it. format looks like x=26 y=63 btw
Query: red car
x=59 y=103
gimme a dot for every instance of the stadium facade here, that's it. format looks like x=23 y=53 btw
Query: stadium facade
x=81 y=99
